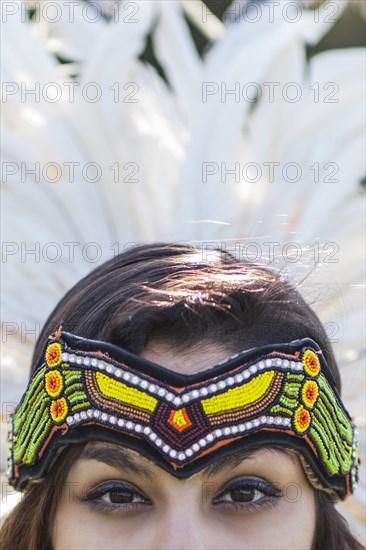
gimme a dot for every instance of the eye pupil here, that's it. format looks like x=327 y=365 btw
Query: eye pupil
x=120 y=497
x=242 y=495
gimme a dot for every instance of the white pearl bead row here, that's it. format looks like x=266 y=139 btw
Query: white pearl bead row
x=120 y=374
x=180 y=456
x=9 y=470
x=10 y=433
x=354 y=467
x=178 y=400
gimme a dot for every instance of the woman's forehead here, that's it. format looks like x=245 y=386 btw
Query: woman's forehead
x=194 y=360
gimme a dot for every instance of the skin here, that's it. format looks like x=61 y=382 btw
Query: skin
x=137 y=505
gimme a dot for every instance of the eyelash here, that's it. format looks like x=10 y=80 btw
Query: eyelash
x=95 y=502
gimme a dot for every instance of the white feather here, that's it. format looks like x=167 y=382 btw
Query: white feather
x=166 y=136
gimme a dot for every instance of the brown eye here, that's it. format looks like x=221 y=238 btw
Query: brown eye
x=115 y=495
x=243 y=494
x=119 y=497
x=248 y=494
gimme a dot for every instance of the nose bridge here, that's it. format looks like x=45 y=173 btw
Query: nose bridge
x=182 y=525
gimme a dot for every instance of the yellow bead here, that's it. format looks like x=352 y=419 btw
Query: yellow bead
x=118 y=390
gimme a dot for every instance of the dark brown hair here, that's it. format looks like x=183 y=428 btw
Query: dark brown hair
x=169 y=293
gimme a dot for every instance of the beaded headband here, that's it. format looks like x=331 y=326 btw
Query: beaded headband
x=273 y=395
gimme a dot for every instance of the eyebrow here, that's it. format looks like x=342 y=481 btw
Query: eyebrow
x=118 y=458
x=122 y=460
x=234 y=460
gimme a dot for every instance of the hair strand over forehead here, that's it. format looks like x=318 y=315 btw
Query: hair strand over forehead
x=168 y=293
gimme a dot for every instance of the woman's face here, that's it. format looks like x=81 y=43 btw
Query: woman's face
x=115 y=498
